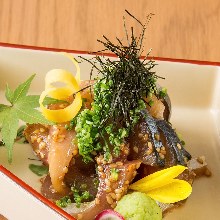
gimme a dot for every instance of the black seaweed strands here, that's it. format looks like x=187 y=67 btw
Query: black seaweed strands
x=119 y=102
x=132 y=78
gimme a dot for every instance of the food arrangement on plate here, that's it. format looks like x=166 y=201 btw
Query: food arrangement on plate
x=107 y=142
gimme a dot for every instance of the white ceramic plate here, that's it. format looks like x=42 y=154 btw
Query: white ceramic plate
x=195 y=94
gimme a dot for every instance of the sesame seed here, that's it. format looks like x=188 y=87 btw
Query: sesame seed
x=150 y=145
x=145 y=138
x=161 y=156
x=127 y=182
x=109 y=199
x=65 y=169
x=118 y=191
x=185 y=159
x=39 y=140
x=42 y=155
x=118 y=196
x=113 y=195
x=200 y=160
x=98 y=160
x=179 y=146
x=102 y=175
x=158 y=149
x=148 y=152
x=163 y=152
x=112 y=165
x=138 y=165
x=126 y=151
x=55 y=133
x=60 y=140
x=100 y=169
x=119 y=163
x=61 y=136
x=33 y=138
x=107 y=182
x=62 y=106
x=140 y=135
x=157 y=137
x=42 y=145
x=75 y=152
x=108 y=189
x=135 y=173
x=97 y=201
x=36 y=131
x=135 y=149
x=113 y=205
x=42 y=130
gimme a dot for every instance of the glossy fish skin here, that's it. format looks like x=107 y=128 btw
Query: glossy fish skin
x=144 y=139
x=155 y=143
x=173 y=142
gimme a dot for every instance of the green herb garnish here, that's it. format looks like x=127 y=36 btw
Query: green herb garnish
x=163 y=92
x=80 y=197
x=77 y=195
x=63 y=202
x=150 y=103
x=114 y=174
x=22 y=107
x=39 y=170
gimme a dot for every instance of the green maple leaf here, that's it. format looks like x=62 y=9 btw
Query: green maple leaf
x=23 y=107
x=9 y=130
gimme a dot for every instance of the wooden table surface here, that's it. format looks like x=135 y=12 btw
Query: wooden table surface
x=187 y=29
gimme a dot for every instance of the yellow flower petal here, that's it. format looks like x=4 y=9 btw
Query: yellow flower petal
x=175 y=191
x=158 y=179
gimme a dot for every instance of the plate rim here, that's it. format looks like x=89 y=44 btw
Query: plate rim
x=36 y=194
x=19 y=181
x=41 y=48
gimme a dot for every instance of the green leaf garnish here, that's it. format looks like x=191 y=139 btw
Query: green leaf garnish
x=39 y=170
x=22 y=89
x=22 y=108
x=63 y=202
x=163 y=93
x=49 y=101
x=8 y=94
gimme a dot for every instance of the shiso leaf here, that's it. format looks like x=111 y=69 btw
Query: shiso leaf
x=162 y=186
x=39 y=170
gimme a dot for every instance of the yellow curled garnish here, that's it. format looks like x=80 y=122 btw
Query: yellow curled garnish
x=162 y=186
x=71 y=86
x=76 y=65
